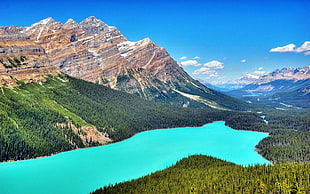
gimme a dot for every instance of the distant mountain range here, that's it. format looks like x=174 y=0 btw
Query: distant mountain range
x=281 y=88
x=290 y=73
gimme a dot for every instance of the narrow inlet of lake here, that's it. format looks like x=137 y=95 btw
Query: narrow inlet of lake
x=84 y=170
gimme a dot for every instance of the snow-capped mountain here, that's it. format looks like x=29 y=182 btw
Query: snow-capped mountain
x=279 y=86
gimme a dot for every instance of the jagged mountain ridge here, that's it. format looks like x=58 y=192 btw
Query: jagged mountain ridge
x=282 y=88
x=279 y=80
x=93 y=51
x=286 y=73
x=290 y=73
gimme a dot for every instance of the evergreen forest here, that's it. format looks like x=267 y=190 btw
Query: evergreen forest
x=204 y=174
x=29 y=115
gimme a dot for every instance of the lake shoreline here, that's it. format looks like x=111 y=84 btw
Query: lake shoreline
x=138 y=156
x=53 y=154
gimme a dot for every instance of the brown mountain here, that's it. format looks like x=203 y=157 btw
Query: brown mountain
x=93 y=51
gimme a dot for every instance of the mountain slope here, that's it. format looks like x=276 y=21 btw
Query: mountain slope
x=93 y=51
x=275 y=86
x=63 y=113
x=299 y=97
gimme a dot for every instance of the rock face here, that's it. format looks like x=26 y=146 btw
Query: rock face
x=93 y=51
x=96 y=52
x=22 y=59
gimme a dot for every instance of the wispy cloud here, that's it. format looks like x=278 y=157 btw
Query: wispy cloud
x=197 y=57
x=204 y=71
x=292 y=48
x=210 y=69
x=307 y=53
x=260 y=68
x=283 y=49
x=183 y=58
x=212 y=75
x=243 y=61
x=190 y=63
x=216 y=82
x=214 y=65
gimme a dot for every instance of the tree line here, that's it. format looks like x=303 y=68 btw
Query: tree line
x=204 y=174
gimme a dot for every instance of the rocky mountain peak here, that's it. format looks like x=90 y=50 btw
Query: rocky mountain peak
x=129 y=48
x=43 y=27
x=70 y=24
x=45 y=21
x=91 y=19
x=70 y=21
x=93 y=51
x=287 y=73
x=93 y=25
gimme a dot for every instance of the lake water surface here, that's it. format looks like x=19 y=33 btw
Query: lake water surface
x=84 y=170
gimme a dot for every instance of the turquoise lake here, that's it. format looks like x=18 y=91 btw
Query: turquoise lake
x=84 y=170
x=251 y=95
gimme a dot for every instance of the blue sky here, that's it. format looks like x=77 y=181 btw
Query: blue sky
x=229 y=38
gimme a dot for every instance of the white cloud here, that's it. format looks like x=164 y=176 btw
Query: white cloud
x=307 y=53
x=183 y=58
x=209 y=69
x=225 y=58
x=203 y=71
x=197 y=57
x=283 y=49
x=243 y=61
x=214 y=65
x=304 y=47
x=292 y=48
x=260 y=68
x=213 y=74
x=217 y=82
x=190 y=63
x=206 y=71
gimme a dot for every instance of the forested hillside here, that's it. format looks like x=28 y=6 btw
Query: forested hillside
x=289 y=134
x=204 y=174
x=39 y=119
